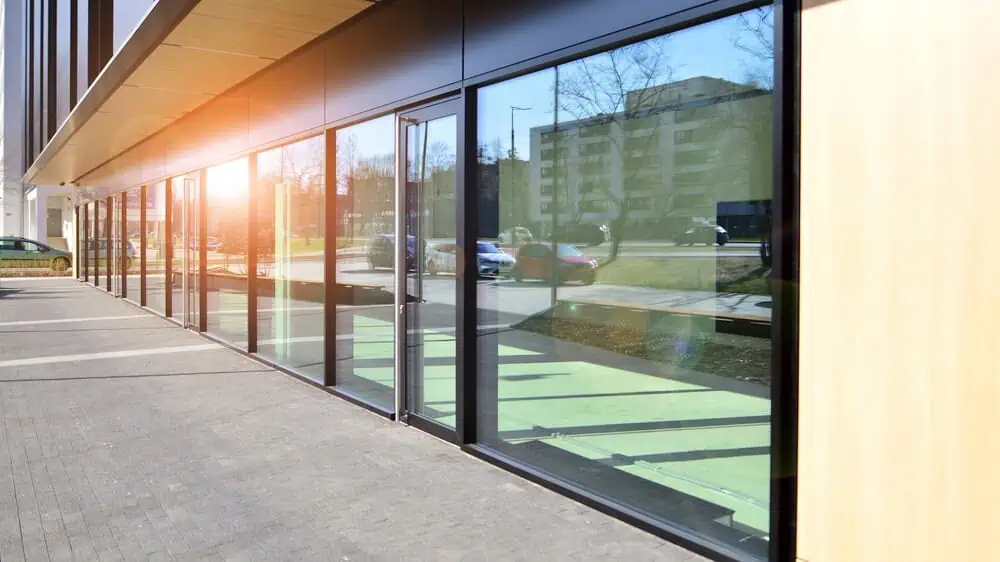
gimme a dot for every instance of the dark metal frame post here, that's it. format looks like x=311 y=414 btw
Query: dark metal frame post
x=123 y=259
x=109 y=211
x=168 y=255
x=143 y=195
x=76 y=241
x=466 y=357
x=97 y=243
x=252 y=195
x=785 y=286
x=86 y=238
x=203 y=250
x=330 y=259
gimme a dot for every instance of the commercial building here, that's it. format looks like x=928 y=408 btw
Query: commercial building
x=321 y=184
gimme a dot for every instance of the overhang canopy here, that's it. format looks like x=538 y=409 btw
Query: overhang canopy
x=184 y=53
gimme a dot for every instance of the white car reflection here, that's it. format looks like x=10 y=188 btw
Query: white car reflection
x=491 y=260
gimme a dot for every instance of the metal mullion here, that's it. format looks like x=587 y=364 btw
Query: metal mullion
x=86 y=238
x=109 y=211
x=168 y=254
x=203 y=250
x=784 y=236
x=252 y=252
x=143 y=195
x=123 y=244
x=76 y=241
x=467 y=211
x=330 y=259
x=399 y=258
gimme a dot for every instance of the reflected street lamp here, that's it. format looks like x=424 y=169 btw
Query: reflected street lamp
x=513 y=108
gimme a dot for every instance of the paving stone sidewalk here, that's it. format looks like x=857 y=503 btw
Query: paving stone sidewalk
x=124 y=437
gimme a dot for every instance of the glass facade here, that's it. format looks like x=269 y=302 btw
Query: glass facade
x=227 y=218
x=157 y=239
x=629 y=353
x=366 y=234
x=622 y=327
x=291 y=235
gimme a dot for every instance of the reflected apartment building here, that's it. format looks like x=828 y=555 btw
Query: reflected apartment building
x=677 y=155
x=319 y=185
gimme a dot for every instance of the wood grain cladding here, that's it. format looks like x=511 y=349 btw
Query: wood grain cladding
x=900 y=376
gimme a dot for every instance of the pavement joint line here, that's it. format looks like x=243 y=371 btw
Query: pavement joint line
x=49 y=359
x=67 y=320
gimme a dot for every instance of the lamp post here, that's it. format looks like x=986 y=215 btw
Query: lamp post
x=513 y=108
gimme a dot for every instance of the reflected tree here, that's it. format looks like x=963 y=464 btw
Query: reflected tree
x=602 y=94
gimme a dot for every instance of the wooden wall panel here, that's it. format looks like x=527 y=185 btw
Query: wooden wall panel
x=900 y=375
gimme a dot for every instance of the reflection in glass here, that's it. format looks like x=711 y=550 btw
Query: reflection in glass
x=290 y=260
x=227 y=194
x=634 y=360
x=100 y=243
x=431 y=248
x=185 y=238
x=133 y=244
x=156 y=247
x=366 y=198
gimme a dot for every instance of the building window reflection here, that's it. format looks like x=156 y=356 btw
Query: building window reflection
x=630 y=352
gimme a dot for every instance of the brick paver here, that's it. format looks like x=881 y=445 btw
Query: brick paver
x=208 y=455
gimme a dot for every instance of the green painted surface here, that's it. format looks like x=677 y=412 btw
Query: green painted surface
x=707 y=442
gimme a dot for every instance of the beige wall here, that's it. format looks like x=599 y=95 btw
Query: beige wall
x=900 y=307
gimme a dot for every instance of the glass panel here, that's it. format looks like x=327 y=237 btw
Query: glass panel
x=133 y=244
x=156 y=247
x=184 y=221
x=228 y=193
x=631 y=353
x=290 y=261
x=431 y=255
x=100 y=243
x=366 y=199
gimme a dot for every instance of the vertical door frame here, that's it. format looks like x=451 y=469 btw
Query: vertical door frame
x=330 y=229
x=424 y=114
x=123 y=245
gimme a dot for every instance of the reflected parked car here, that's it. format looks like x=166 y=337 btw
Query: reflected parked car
x=492 y=261
x=21 y=252
x=381 y=252
x=101 y=255
x=703 y=234
x=535 y=261
x=516 y=235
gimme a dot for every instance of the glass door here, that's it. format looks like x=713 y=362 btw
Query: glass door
x=191 y=240
x=427 y=258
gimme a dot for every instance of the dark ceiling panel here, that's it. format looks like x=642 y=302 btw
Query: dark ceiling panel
x=398 y=50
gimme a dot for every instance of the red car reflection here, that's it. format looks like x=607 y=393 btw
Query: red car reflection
x=534 y=261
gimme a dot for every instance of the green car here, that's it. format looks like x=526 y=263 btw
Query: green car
x=21 y=252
